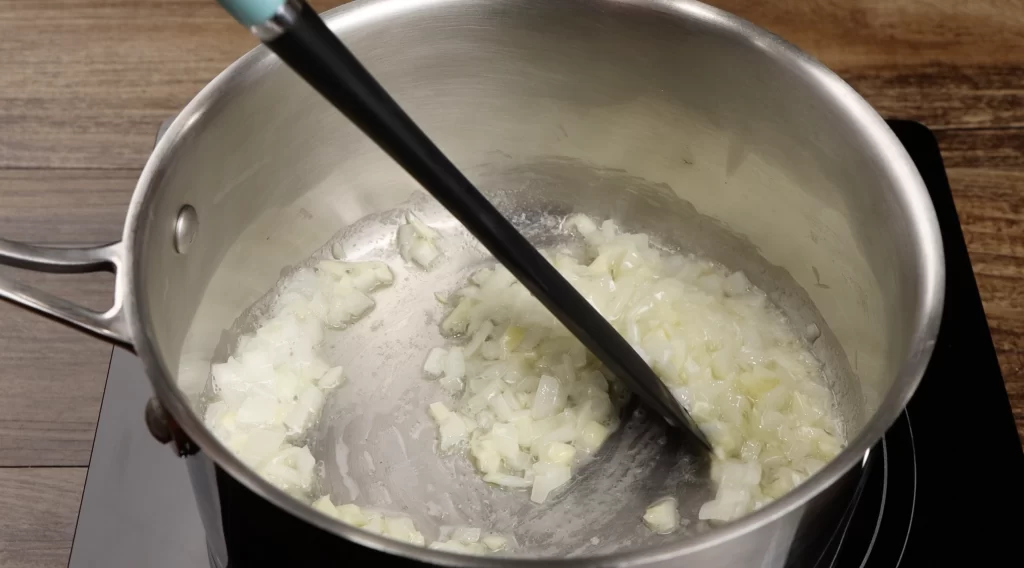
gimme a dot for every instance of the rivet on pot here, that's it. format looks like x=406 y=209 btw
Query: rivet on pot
x=185 y=228
x=158 y=422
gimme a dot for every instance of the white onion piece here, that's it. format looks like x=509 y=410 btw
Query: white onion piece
x=455 y=364
x=352 y=515
x=592 y=435
x=291 y=470
x=418 y=243
x=495 y=543
x=662 y=516
x=395 y=527
x=478 y=338
x=305 y=410
x=332 y=378
x=557 y=453
x=452 y=427
x=402 y=528
x=347 y=306
x=549 y=398
x=466 y=535
x=258 y=410
x=260 y=445
x=460 y=548
x=506 y=480
x=363 y=276
x=469 y=540
x=433 y=367
x=548 y=478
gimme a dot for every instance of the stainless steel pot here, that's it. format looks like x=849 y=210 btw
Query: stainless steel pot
x=668 y=115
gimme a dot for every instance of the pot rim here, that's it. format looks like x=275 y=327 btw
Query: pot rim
x=875 y=133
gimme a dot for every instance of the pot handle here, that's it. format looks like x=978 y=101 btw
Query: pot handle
x=110 y=325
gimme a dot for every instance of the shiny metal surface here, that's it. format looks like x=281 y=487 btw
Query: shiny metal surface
x=185 y=228
x=110 y=325
x=667 y=115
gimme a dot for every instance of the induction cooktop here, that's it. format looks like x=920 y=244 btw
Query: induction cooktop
x=945 y=483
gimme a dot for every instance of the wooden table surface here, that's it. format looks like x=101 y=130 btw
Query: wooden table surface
x=84 y=85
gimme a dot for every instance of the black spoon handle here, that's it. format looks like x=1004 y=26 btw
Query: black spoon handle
x=310 y=48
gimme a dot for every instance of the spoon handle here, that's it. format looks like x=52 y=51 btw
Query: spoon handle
x=303 y=41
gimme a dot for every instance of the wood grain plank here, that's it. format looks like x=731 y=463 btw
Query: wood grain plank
x=52 y=377
x=985 y=148
x=39 y=511
x=990 y=204
x=946 y=63
x=51 y=380
x=92 y=78
x=65 y=206
x=941 y=95
x=852 y=33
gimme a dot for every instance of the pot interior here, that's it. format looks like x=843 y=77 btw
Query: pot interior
x=671 y=120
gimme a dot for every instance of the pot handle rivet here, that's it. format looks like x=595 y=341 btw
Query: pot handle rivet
x=185 y=228
x=158 y=421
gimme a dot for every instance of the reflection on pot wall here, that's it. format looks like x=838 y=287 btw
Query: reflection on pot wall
x=275 y=165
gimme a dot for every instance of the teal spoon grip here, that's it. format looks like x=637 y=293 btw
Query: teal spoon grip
x=251 y=12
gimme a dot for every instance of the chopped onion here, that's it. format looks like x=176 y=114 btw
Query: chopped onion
x=271 y=389
x=662 y=516
x=548 y=478
x=418 y=243
x=495 y=542
x=557 y=453
x=549 y=398
x=395 y=527
x=305 y=410
x=728 y=355
x=468 y=540
x=454 y=364
x=258 y=410
x=592 y=436
x=433 y=367
x=332 y=378
x=466 y=535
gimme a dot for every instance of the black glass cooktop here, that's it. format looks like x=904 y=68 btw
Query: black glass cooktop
x=945 y=488
x=946 y=485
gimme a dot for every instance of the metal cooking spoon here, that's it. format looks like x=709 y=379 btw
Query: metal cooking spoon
x=294 y=31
